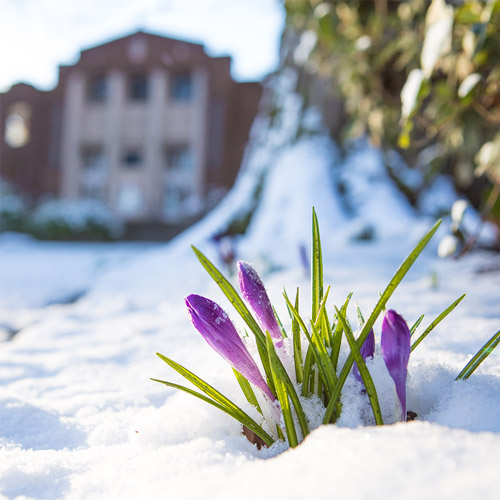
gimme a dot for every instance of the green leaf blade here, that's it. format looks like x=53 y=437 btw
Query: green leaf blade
x=282 y=394
x=337 y=334
x=247 y=390
x=479 y=357
x=436 y=322
x=297 y=344
x=317 y=267
x=413 y=329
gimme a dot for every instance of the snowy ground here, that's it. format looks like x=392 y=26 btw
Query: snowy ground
x=79 y=417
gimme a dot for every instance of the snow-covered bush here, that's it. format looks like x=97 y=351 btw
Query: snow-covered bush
x=74 y=219
x=12 y=208
x=414 y=77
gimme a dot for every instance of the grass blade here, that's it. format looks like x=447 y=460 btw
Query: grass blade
x=416 y=324
x=317 y=267
x=326 y=330
x=247 y=390
x=361 y=319
x=308 y=381
x=363 y=370
x=307 y=378
x=337 y=336
x=280 y=324
x=384 y=297
x=297 y=345
x=202 y=385
x=436 y=322
x=286 y=409
x=328 y=375
x=321 y=309
x=479 y=357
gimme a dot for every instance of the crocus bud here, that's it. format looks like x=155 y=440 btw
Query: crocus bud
x=395 y=344
x=367 y=351
x=216 y=328
x=255 y=294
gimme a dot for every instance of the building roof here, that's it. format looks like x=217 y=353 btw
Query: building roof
x=141 y=49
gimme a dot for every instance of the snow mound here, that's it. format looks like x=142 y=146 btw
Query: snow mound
x=300 y=179
x=377 y=205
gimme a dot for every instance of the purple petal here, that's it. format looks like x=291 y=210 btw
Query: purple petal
x=367 y=351
x=217 y=329
x=255 y=294
x=395 y=344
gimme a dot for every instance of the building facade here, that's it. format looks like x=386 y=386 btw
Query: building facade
x=147 y=124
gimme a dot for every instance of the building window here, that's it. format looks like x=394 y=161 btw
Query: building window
x=174 y=199
x=179 y=158
x=138 y=88
x=181 y=87
x=97 y=89
x=93 y=176
x=132 y=158
x=130 y=202
x=178 y=187
x=92 y=158
x=17 y=125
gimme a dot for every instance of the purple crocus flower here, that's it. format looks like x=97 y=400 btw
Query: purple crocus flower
x=216 y=328
x=367 y=351
x=255 y=294
x=395 y=344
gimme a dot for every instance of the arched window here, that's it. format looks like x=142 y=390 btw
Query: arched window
x=17 y=125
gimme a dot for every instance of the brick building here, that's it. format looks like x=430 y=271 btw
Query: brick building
x=147 y=124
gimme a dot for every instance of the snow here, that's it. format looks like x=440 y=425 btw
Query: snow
x=291 y=202
x=376 y=203
x=80 y=417
x=438 y=29
x=410 y=91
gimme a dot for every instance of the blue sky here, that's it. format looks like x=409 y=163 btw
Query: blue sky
x=38 y=35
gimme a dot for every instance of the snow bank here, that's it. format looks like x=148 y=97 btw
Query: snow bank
x=81 y=419
x=300 y=179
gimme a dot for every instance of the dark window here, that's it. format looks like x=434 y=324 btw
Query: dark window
x=138 y=88
x=173 y=198
x=181 y=87
x=97 y=89
x=132 y=158
x=92 y=157
x=179 y=157
x=93 y=176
